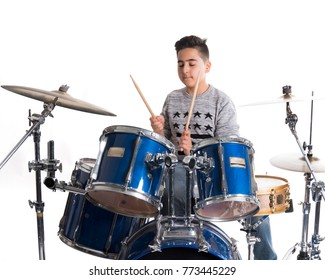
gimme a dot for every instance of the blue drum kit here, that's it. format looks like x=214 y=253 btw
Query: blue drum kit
x=113 y=209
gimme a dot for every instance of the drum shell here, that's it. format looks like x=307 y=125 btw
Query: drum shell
x=273 y=193
x=122 y=169
x=230 y=183
x=89 y=228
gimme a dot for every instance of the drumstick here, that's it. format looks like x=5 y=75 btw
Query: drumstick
x=193 y=101
x=143 y=98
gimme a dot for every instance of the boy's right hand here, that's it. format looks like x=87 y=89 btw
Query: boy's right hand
x=157 y=124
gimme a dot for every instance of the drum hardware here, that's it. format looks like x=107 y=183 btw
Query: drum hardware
x=205 y=164
x=156 y=161
x=63 y=186
x=250 y=230
x=170 y=162
x=35 y=121
x=50 y=99
x=52 y=165
x=189 y=163
x=130 y=171
x=308 y=251
x=52 y=183
x=180 y=228
x=317 y=195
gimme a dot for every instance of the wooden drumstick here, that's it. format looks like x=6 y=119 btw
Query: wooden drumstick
x=143 y=98
x=193 y=101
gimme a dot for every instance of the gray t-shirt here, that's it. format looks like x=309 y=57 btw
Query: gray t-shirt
x=214 y=115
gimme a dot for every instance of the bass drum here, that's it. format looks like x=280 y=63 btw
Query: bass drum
x=195 y=241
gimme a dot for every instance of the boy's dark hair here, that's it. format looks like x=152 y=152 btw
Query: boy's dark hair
x=193 y=42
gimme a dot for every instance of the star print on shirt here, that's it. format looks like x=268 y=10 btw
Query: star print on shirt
x=197 y=126
x=185 y=115
x=177 y=115
x=208 y=115
x=176 y=125
x=208 y=127
x=197 y=114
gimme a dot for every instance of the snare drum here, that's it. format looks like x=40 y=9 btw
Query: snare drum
x=226 y=190
x=89 y=228
x=273 y=193
x=163 y=240
x=128 y=175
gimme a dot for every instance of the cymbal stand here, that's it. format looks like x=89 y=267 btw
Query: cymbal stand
x=36 y=120
x=318 y=194
x=317 y=186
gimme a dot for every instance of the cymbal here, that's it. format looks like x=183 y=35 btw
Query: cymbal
x=64 y=99
x=288 y=97
x=296 y=162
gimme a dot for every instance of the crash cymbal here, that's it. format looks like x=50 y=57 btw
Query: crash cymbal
x=296 y=162
x=288 y=97
x=64 y=99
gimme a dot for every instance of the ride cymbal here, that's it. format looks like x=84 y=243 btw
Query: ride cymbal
x=296 y=162
x=64 y=99
x=283 y=99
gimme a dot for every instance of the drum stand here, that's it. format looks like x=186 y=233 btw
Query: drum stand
x=37 y=165
x=251 y=234
x=307 y=251
x=179 y=226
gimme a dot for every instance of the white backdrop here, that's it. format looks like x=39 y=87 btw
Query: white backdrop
x=257 y=47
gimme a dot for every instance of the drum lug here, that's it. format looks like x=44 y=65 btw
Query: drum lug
x=204 y=246
x=156 y=246
x=272 y=200
x=287 y=199
x=205 y=164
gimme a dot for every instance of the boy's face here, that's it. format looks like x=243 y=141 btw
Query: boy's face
x=190 y=64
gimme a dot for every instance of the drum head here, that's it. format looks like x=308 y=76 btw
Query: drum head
x=223 y=209
x=216 y=140
x=116 y=199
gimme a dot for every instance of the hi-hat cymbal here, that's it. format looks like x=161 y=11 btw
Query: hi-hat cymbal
x=64 y=99
x=283 y=99
x=296 y=162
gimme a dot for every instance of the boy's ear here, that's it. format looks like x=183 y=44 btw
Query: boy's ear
x=207 y=66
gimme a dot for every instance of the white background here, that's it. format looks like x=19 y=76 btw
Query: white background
x=256 y=47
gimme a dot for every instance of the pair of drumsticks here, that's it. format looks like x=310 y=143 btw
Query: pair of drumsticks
x=191 y=106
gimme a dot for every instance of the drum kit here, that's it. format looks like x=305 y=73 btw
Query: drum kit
x=113 y=208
